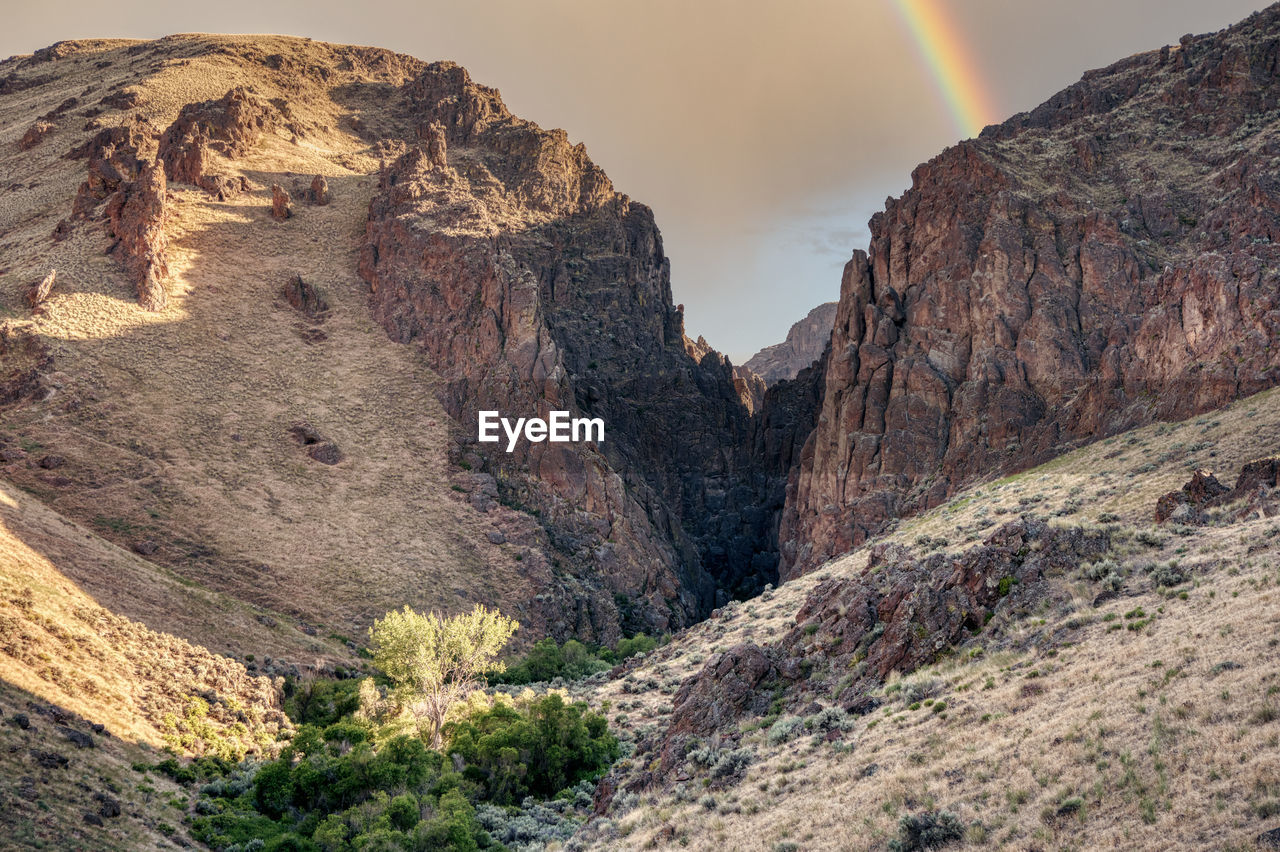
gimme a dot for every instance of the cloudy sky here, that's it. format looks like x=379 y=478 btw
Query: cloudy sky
x=763 y=134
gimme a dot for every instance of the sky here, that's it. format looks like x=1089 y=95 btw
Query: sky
x=763 y=134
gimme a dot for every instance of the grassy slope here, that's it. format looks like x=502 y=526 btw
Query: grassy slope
x=1166 y=745
x=175 y=425
x=44 y=807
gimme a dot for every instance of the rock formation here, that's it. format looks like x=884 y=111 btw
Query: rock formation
x=1253 y=492
x=806 y=342
x=505 y=253
x=318 y=194
x=138 y=215
x=37 y=293
x=1107 y=259
x=281 y=203
x=902 y=612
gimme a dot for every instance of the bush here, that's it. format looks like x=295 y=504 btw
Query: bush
x=927 y=830
x=538 y=750
x=1169 y=575
x=321 y=701
x=784 y=729
x=573 y=660
x=546 y=661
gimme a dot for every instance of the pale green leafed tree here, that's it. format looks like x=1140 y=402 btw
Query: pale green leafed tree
x=438 y=660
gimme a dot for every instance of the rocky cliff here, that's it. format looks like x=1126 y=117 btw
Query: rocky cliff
x=806 y=341
x=506 y=254
x=1104 y=260
x=288 y=275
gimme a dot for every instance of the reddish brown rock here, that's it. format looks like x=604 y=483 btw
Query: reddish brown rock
x=304 y=298
x=37 y=293
x=1253 y=492
x=532 y=286
x=806 y=342
x=230 y=126
x=35 y=135
x=115 y=156
x=1202 y=488
x=1105 y=260
x=138 y=216
x=319 y=192
x=281 y=203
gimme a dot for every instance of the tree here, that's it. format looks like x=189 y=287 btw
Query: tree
x=438 y=660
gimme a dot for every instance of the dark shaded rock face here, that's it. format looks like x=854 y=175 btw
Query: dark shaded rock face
x=1105 y=260
x=806 y=342
x=505 y=253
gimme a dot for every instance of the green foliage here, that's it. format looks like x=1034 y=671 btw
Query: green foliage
x=573 y=660
x=538 y=750
x=321 y=701
x=546 y=661
x=345 y=787
x=638 y=644
x=437 y=660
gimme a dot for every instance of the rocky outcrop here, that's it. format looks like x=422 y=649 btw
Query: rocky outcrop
x=1105 y=260
x=115 y=156
x=138 y=214
x=902 y=612
x=230 y=126
x=37 y=293
x=503 y=252
x=318 y=194
x=281 y=203
x=1252 y=494
x=806 y=342
x=35 y=135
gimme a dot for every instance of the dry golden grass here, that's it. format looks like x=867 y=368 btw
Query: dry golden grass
x=44 y=807
x=1081 y=734
x=176 y=424
x=59 y=644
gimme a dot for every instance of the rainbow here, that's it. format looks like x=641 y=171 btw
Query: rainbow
x=954 y=71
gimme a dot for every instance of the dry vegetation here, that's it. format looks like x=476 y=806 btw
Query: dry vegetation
x=52 y=789
x=1149 y=721
x=175 y=425
x=62 y=646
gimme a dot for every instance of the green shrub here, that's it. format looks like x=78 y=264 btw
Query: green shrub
x=928 y=830
x=537 y=750
x=321 y=701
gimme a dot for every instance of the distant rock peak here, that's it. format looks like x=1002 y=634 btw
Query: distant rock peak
x=805 y=343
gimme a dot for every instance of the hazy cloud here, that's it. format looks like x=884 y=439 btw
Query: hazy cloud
x=762 y=133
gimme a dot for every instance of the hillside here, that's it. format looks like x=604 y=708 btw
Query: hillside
x=967 y=574
x=1136 y=706
x=256 y=403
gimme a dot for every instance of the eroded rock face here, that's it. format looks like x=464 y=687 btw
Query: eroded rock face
x=902 y=612
x=230 y=126
x=504 y=252
x=1102 y=261
x=138 y=215
x=806 y=342
x=1254 y=492
x=115 y=156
